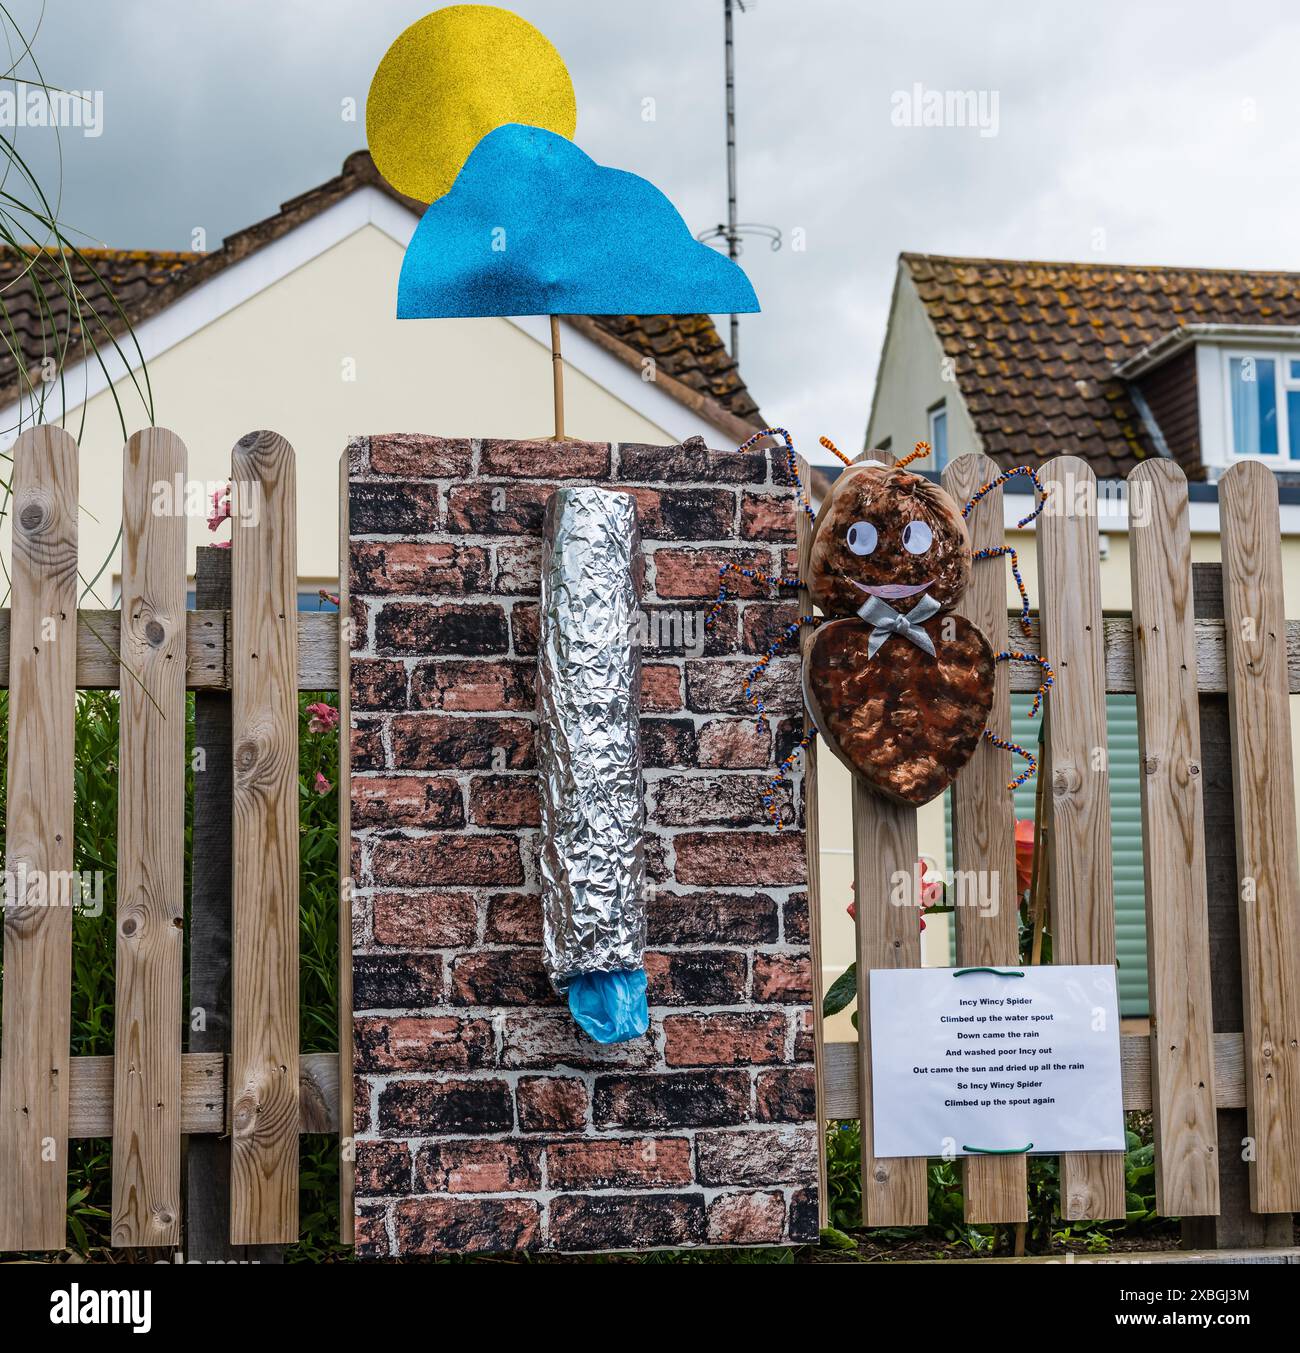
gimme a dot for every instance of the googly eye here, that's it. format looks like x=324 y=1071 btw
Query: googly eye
x=861 y=538
x=917 y=537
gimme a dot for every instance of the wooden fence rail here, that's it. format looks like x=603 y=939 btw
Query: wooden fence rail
x=147 y=1096
x=1185 y=1073
x=207 y=658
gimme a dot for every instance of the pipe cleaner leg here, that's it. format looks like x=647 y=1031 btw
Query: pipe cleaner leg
x=1006 y=551
x=791 y=463
x=782 y=775
x=725 y=595
x=998 y=552
x=1049 y=678
x=1020 y=470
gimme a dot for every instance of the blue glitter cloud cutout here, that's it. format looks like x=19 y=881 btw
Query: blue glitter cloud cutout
x=534 y=226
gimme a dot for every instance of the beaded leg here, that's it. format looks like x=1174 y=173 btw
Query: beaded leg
x=998 y=552
x=1020 y=470
x=1049 y=677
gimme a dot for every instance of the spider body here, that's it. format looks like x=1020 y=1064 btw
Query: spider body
x=899 y=687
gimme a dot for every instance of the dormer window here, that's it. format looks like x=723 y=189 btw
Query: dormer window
x=1264 y=405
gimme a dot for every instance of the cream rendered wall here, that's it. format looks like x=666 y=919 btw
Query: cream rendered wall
x=911 y=380
x=280 y=360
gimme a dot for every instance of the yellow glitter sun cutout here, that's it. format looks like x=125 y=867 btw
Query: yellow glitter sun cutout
x=451 y=78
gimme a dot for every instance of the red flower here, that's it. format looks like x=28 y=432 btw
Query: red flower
x=1024 y=853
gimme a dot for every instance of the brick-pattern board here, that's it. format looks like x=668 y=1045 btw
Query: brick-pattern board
x=485 y=1120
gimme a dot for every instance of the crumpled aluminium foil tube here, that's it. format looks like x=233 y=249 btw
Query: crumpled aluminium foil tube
x=589 y=743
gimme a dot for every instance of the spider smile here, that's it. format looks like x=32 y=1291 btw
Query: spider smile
x=890 y=591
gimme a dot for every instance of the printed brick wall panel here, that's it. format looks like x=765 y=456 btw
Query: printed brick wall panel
x=485 y=1119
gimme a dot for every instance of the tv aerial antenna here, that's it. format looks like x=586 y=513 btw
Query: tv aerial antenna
x=734 y=231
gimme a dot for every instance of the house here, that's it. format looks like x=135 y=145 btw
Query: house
x=1114 y=363
x=1109 y=362
x=291 y=325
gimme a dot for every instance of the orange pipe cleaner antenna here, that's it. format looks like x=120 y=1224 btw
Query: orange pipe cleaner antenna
x=830 y=446
x=920 y=450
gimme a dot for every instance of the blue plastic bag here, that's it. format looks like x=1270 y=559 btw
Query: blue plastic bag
x=610 y=1006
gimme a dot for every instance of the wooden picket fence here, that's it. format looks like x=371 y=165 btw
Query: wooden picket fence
x=241 y=1094
x=1213 y=678
x=1220 y=1071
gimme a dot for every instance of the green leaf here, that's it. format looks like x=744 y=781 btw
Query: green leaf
x=833 y=1239
x=843 y=992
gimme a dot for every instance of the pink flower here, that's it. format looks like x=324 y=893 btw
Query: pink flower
x=321 y=785
x=220 y=509
x=221 y=544
x=931 y=893
x=324 y=718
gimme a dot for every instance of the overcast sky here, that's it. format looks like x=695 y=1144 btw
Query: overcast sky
x=1124 y=132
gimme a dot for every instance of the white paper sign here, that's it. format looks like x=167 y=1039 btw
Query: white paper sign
x=965 y=1061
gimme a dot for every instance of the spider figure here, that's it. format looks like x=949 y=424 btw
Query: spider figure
x=899 y=687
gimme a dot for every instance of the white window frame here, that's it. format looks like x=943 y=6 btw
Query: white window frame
x=1284 y=382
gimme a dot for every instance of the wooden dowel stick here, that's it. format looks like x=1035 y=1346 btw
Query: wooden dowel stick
x=557 y=378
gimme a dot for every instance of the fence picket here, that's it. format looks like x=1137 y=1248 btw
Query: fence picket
x=263 y=1089
x=803 y=536
x=984 y=824
x=150 y=851
x=894 y=1191
x=38 y=843
x=1079 y=852
x=1173 y=837
x=1264 y=808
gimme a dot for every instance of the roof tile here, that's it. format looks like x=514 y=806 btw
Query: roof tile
x=1036 y=343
